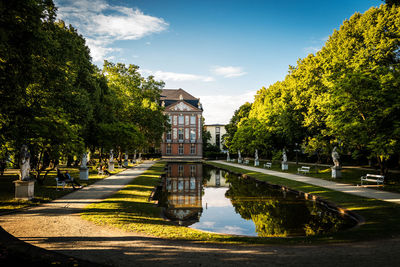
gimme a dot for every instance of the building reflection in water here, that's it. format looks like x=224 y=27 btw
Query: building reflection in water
x=183 y=184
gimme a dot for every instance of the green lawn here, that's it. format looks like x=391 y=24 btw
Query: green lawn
x=43 y=193
x=349 y=175
x=131 y=210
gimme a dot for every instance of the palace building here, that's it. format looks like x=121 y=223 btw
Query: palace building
x=184 y=140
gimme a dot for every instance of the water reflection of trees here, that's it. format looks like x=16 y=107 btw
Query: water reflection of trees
x=278 y=213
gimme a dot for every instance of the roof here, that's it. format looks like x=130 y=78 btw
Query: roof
x=175 y=94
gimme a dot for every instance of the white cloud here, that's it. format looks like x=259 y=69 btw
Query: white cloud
x=103 y=23
x=312 y=49
x=220 y=108
x=176 y=77
x=228 y=71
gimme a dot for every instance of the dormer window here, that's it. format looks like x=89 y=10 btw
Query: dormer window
x=180 y=97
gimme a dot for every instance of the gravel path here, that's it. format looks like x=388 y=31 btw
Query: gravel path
x=57 y=226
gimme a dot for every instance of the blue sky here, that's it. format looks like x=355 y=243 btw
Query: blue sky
x=220 y=51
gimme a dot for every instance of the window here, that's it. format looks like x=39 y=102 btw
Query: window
x=186 y=133
x=193 y=120
x=217 y=140
x=180 y=170
x=180 y=149
x=175 y=120
x=168 y=149
x=175 y=131
x=186 y=120
x=192 y=149
x=217 y=130
x=181 y=119
x=192 y=170
x=180 y=134
x=170 y=119
x=169 y=135
x=192 y=134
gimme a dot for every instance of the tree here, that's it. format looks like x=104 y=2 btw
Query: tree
x=232 y=126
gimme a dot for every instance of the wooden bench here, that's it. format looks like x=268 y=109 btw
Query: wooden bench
x=376 y=178
x=268 y=165
x=303 y=169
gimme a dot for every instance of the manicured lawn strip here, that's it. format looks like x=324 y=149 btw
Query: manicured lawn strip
x=382 y=219
x=43 y=193
x=349 y=175
x=129 y=209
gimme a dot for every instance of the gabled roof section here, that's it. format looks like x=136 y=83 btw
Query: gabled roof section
x=176 y=94
x=181 y=105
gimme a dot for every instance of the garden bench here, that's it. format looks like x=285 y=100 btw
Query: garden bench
x=376 y=178
x=303 y=169
x=100 y=171
x=268 y=165
x=60 y=183
x=246 y=161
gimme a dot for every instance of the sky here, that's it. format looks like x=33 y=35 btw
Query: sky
x=219 y=51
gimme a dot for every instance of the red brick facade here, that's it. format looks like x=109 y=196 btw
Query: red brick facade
x=184 y=141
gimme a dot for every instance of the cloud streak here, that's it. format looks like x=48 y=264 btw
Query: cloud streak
x=228 y=71
x=176 y=77
x=102 y=24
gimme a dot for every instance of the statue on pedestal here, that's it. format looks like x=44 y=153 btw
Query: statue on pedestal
x=256 y=162
x=25 y=167
x=228 y=158
x=239 y=157
x=84 y=160
x=335 y=157
x=336 y=169
x=284 y=161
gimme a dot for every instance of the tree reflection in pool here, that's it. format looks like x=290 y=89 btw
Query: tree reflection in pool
x=209 y=199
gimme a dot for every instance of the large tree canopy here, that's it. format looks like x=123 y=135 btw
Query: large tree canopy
x=348 y=94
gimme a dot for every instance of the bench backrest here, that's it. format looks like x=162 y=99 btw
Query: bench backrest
x=305 y=168
x=375 y=176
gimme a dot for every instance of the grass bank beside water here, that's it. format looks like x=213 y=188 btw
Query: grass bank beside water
x=131 y=210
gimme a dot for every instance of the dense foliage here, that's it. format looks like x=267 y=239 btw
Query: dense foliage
x=347 y=95
x=53 y=99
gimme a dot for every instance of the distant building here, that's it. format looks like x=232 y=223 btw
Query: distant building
x=184 y=141
x=216 y=131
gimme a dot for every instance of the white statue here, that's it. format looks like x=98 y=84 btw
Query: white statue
x=256 y=155
x=335 y=157
x=111 y=156
x=239 y=156
x=228 y=158
x=284 y=157
x=84 y=160
x=25 y=164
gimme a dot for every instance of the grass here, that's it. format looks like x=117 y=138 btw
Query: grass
x=130 y=209
x=43 y=192
x=349 y=175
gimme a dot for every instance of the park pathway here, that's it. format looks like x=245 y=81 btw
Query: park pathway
x=58 y=227
x=345 y=188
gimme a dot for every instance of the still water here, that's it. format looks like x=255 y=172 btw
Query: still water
x=209 y=199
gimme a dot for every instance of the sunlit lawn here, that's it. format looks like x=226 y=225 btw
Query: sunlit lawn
x=43 y=193
x=349 y=175
x=131 y=210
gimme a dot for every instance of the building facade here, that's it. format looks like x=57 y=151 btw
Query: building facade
x=184 y=140
x=216 y=131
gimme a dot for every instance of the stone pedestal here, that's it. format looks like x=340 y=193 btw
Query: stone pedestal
x=256 y=163
x=24 y=189
x=285 y=166
x=336 y=172
x=83 y=174
x=111 y=166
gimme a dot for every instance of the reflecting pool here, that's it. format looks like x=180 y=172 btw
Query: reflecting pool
x=209 y=199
